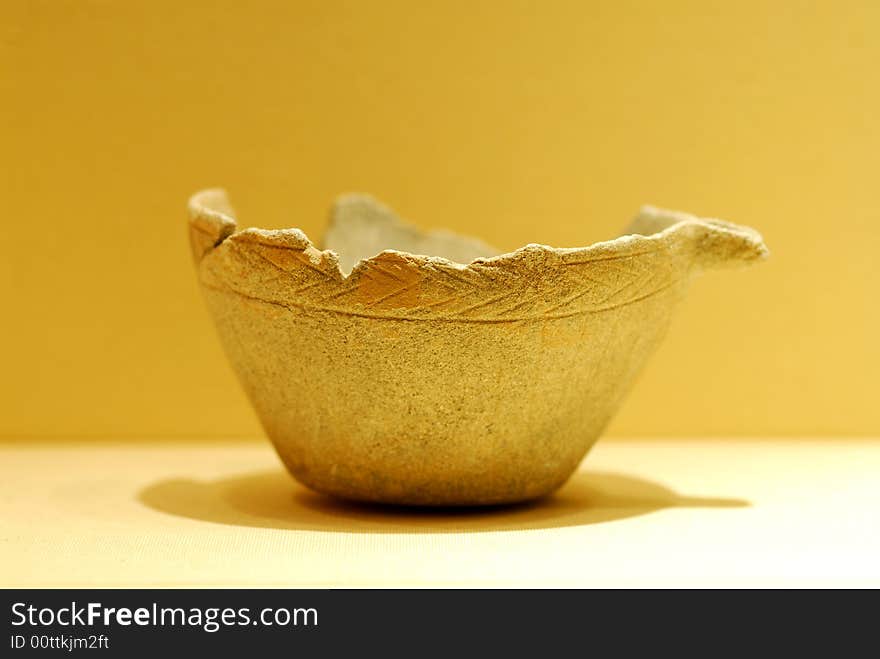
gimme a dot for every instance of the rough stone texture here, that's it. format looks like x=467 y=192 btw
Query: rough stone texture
x=394 y=377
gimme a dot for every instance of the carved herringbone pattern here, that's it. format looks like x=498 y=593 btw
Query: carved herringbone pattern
x=537 y=284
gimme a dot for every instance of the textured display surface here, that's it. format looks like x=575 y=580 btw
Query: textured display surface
x=684 y=512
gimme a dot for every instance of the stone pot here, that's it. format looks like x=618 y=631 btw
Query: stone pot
x=424 y=368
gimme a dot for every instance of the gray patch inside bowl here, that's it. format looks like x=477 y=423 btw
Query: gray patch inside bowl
x=361 y=227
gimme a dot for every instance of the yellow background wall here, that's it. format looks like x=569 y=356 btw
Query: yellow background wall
x=517 y=121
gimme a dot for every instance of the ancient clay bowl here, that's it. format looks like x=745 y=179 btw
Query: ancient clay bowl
x=419 y=368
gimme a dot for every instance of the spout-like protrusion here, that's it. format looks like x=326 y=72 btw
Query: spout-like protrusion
x=211 y=221
x=722 y=244
x=710 y=243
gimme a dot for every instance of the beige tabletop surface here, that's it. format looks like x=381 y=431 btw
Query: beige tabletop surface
x=657 y=512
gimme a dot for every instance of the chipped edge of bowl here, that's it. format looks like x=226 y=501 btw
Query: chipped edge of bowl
x=212 y=217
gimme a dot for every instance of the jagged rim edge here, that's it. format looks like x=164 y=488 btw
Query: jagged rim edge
x=678 y=221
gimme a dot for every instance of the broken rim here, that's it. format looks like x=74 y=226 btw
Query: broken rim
x=660 y=249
